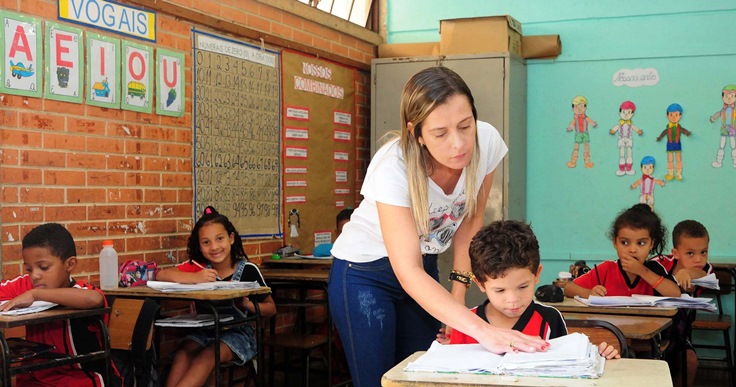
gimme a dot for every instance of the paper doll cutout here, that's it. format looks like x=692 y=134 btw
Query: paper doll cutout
x=625 y=131
x=580 y=124
x=673 y=131
x=727 y=115
x=647 y=181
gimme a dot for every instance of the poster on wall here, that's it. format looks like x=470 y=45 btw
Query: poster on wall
x=64 y=49
x=21 y=55
x=319 y=146
x=103 y=57
x=137 y=74
x=169 y=83
x=237 y=163
x=726 y=118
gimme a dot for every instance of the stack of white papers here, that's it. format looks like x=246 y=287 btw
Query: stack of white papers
x=571 y=356
x=710 y=281
x=164 y=286
x=192 y=320
x=37 y=306
x=684 y=301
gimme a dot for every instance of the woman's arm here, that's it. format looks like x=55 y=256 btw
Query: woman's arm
x=402 y=243
x=465 y=233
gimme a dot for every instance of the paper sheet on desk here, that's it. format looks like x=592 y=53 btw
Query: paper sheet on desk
x=640 y=300
x=710 y=281
x=37 y=306
x=569 y=356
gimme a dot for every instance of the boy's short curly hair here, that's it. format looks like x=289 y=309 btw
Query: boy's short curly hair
x=688 y=228
x=54 y=237
x=503 y=245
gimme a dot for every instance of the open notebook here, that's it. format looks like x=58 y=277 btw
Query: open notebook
x=164 y=286
x=571 y=356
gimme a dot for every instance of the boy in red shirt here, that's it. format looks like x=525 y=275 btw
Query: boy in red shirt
x=49 y=257
x=504 y=257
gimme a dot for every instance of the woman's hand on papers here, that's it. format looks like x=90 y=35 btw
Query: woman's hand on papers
x=500 y=340
x=608 y=351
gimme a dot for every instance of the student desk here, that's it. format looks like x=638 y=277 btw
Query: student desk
x=620 y=372
x=51 y=360
x=207 y=297
x=633 y=327
x=297 y=263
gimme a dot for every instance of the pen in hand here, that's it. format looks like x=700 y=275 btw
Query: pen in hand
x=202 y=267
x=597 y=276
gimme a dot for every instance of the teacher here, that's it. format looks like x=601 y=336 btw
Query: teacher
x=424 y=188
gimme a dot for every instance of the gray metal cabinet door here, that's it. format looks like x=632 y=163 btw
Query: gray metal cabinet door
x=484 y=76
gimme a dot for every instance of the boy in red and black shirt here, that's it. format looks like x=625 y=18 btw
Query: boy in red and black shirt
x=504 y=257
x=49 y=257
x=688 y=261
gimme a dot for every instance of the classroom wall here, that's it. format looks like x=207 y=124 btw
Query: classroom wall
x=689 y=44
x=115 y=174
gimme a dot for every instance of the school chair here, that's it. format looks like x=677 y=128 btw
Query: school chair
x=714 y=322
x=599 y=331
x=131 y=339
x=300 y=341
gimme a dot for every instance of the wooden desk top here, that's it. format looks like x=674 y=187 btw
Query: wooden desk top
x=724 y=265
x=207 y=295
x=312 y=275
x=298 y=261
x=53 y=314
x=633 y=327
x=620 y=372
x=570 y=305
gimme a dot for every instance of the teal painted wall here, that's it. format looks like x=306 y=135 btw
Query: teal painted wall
x=691 y=45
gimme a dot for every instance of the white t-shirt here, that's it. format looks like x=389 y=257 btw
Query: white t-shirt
x=386 y=182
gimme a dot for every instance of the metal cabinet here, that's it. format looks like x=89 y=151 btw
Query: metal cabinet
x=498 y=82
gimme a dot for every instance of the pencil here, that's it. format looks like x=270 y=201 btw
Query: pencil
x=202 y=267
x=597 y=276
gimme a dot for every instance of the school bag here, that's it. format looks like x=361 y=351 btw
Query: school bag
x=136 y=273
x=132 y=350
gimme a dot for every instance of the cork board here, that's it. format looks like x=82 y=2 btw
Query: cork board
x=319 y=147
x=236 y=133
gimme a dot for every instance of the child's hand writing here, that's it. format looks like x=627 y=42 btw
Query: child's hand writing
x=598 y=290
x=608 y=351
x=206 y=275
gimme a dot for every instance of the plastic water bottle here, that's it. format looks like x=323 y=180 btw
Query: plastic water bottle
x=108 y=266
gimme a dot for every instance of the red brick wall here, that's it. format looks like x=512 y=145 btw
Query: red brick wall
x=127 y=176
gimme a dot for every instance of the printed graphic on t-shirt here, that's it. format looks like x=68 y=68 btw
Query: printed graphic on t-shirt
x=443 y=222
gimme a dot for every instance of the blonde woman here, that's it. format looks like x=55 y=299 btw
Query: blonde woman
x=384 y=293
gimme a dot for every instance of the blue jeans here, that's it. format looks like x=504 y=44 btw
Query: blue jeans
x=379 y=323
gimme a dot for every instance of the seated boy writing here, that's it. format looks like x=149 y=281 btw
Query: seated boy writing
x=49 y=257
x=504 y=257
x=688 y=261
